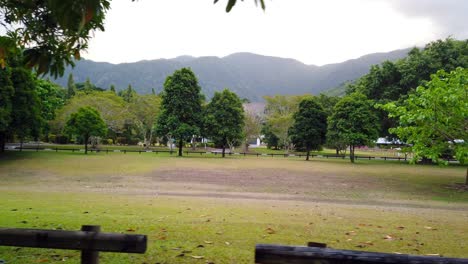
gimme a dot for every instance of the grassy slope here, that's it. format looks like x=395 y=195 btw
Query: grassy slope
x=31 y=196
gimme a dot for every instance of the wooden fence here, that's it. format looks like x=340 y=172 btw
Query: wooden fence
x=171 y=152
x=317 y=253
x=90 y=241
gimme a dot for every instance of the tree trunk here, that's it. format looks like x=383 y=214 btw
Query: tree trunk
x=246 y=146
x=180 y=147
x=224 y=150
x=466 y=179
x=21 y=144
x=2 y=142
x=337 y=151
x=351 y=153
x=308 y=153
x=86 y=145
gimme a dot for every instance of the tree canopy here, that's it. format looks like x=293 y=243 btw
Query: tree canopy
x=353 y=122
x=181 y=108
x=310 y=126
x=224 y=119
x=279 y=111
x=392 y=81
x=86 y=122
x=434 y=118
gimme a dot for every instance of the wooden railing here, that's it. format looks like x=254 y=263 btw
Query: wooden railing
x=90 y=241
x=318 y=253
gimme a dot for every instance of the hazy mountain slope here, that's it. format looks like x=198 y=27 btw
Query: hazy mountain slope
x=249 y=75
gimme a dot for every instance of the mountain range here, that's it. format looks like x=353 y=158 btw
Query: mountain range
x=251 y=76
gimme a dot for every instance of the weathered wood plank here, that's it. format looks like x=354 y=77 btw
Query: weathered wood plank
x=276 y=254
x=77 y=240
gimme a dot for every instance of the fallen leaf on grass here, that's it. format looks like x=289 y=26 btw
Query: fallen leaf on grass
x=400 y=227
x=197 y=257
x=388 y=237
x=227 y=243
x=430 y=228
x=270 y=230
x=208 y=242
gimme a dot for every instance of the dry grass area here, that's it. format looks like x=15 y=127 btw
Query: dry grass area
x=228 y=205
x=367 y=182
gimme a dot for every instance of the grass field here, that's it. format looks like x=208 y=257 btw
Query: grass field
x=220 y=208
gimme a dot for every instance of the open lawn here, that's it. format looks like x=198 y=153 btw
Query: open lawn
x=220 y=208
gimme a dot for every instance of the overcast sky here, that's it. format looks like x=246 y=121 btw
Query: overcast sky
x=312 y=31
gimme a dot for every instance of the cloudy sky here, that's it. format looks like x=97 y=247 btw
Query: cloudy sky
x=312 y=31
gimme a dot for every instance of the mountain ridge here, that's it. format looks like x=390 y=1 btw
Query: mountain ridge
x=250 y=75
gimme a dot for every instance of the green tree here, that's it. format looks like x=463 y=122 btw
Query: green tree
x=6 y=94
x=353 y=122
x=279 y=111
x=25 y=114
x=146 y=109
x=86 y=122
x=53 y=32
x=51 y=98
x=224 y=119
x=392 y=81
x=310 y=126
x=112 y=88
x=435 y=117
x=181 y=107
x=111 y=107
x=128 y=94
x=71 y=87
x=252 y=127
x=88 y=86
x=269 y=137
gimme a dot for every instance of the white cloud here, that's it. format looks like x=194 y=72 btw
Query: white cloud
x=315 y=32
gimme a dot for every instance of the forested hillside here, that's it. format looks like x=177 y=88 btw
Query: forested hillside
x=249 y=75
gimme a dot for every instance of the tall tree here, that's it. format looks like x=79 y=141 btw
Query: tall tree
x=6 y=94
x=86 y=122
x=52 y=98
x=269 y=137
x=181 y=107
x=112 y=88
x=88 y=86
x=310 y=126
x=111 y=107
x=353 y=122
x=224 y=119
x=434 y=118
x=146 y=109
x=279 y=111
x=393 y=81
x=128 y=95
x=71 y=87
x=26 y=117
x=252 y=127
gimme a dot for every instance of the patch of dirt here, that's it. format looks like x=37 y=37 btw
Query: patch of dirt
x=263 y=180
x=458 y=187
